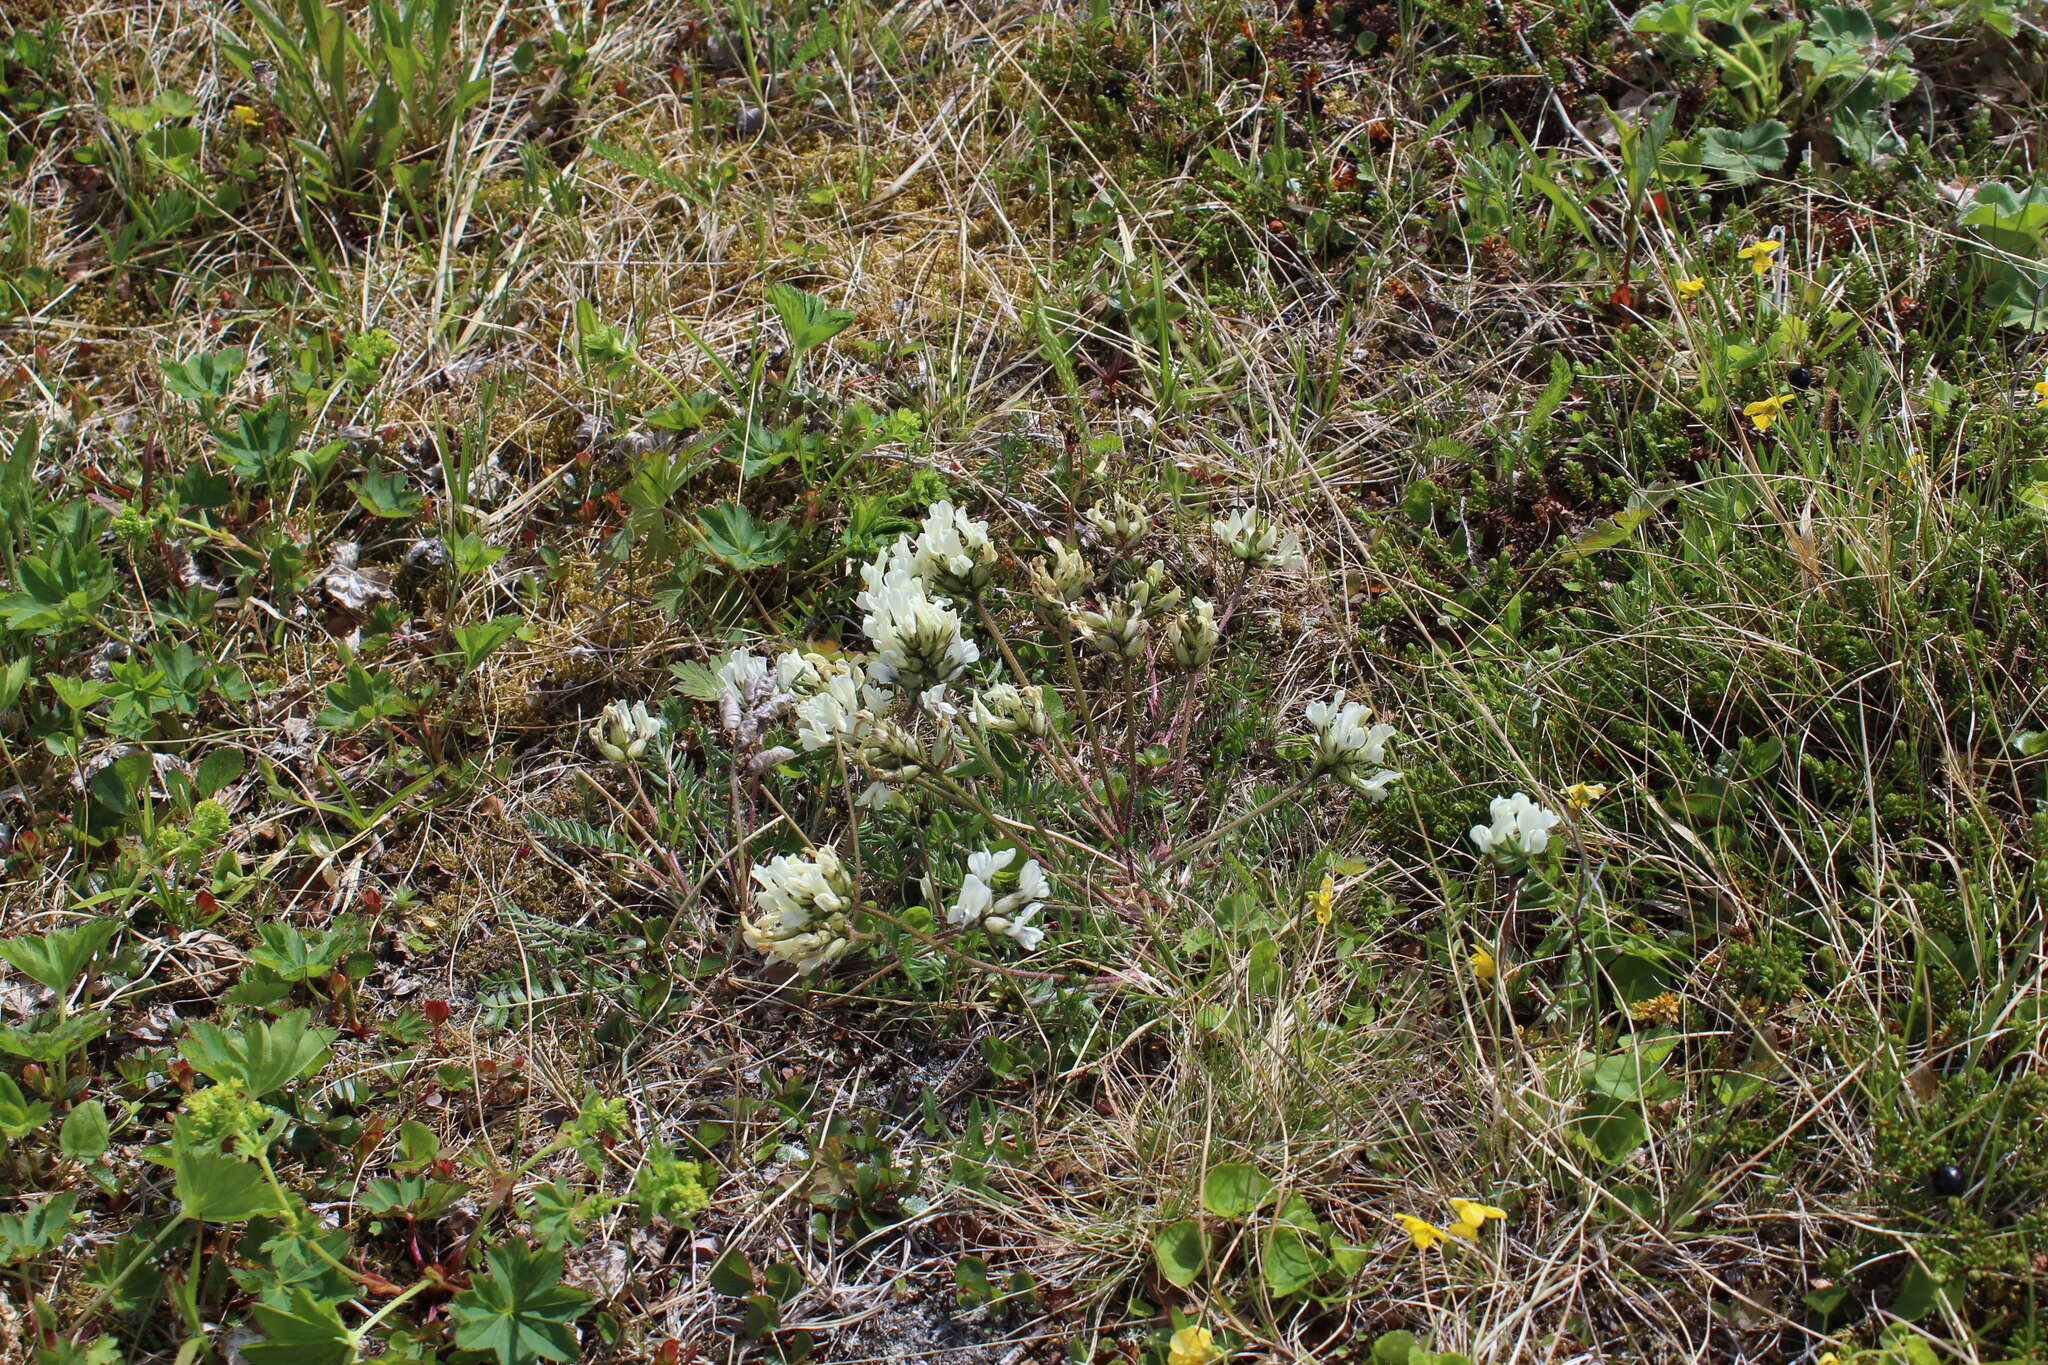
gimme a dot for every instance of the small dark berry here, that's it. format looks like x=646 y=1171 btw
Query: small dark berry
x=1801 y=377
x=1948 y=1181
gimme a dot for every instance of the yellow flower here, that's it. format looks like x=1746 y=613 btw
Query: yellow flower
x=1422 y=1232
x=1192 y=1346
x=1323 y=899
x=1759 y=254
x=246 y=114
x=1658 y=1009
x=1473 y=1214
x=1482 y=964
x=1692 y=288
x=1765 y=411
x=1582 y=795
x=2041 y=394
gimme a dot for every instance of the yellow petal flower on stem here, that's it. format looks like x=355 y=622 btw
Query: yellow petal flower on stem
x=1765 y=411
x=1692 y=288
x=1582 y=795
x=1759 y=254
x=1464 y=1232
x=1323 y=899
x=2041 y=393
x=1482 y=964
x=1471 y=1213
x=1192 y=1346
x=1421 y=1231
x=246 y=114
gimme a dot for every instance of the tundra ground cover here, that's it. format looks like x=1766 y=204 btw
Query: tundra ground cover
x=1170 y=683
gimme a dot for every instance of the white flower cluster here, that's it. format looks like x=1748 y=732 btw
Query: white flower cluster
x=953 y=551
x=623 y=732
x=1009 y=914
x=801 y=909
x=1193 y=635
x=1349 y=750
x=1255 y=538
x=1121 y=522
x=1520 y=829
x=1010 y=709
x=919 y=643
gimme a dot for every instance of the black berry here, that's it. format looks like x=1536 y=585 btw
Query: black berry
x=1801 y=377
x=1947 y=1181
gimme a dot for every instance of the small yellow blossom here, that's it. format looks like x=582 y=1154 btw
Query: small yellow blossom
x=1692 y=288
x=1473 y=1214
x=246 y=114
x=1323 y=899
x=1658 y=1009
x=2041 y=393
x=1421 y=1231
x=1759 y=254
x=1192 y=1346
x=1482 y=964
x=1765 y=411
x=1583 y=795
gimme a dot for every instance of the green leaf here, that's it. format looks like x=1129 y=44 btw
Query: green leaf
x=1394 y=1348
x=1180 y=1249
x=298 y=956
x=1632 y=1072
x=84 y=1135
x=1606 y=535
x=1999 y=206
x=1743 y=157
x=1233 y=1190
x=697 y=681
x=808 y=319
x=58 y=959
x=1289 y=1261
x=730 y=1274
x=521 y=1311
x=731 y=534
x=304 y=1331
x=206 y=377
x=360 y=698
x=259 y=1056
x=214 y=1188
x=13 y=678
x=217 y=769
x=478 y=642
x=37 y=1230
x=387 y=494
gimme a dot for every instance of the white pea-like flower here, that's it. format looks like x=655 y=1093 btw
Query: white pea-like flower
x=623 y=732
x=1348 y=749
x=953 y=550
x=1065 y=579
x=804 y=672
x=801 y=910
x=1010 y=709
x=1520 y=828
x=1118 y=630
x=1155 y=593
x=841 y=710
x=743 y=674
x=1007 y=913
x=749 y=698
x=918 y=639
x=1121 y=521
x=1255 y=538
x=1192 y=636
